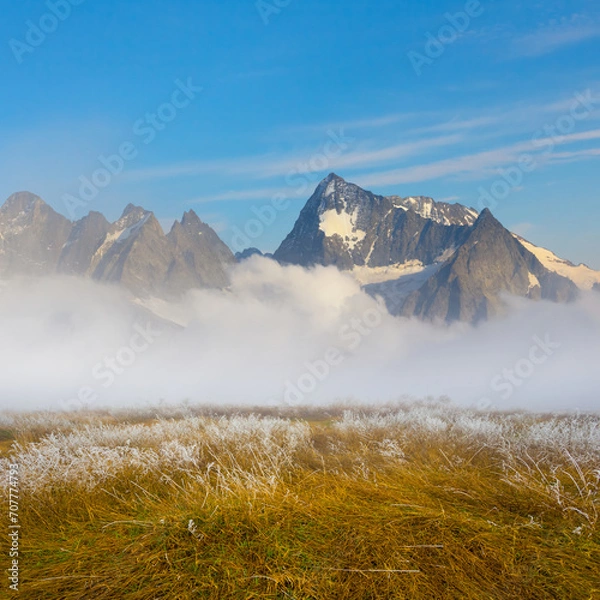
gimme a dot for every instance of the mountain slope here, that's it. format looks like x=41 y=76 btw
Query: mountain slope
x=470 y=284
x=32 y=236
x=581 y=275
x=87 y=235
x=135 y=253
x=201 y=259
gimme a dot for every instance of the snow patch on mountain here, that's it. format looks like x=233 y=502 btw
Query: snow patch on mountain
x=581 y=275
x=440 y=212
x=122 y=234
x=342 y=224
x=394 y=291
x=372 y=275
x=533 y=282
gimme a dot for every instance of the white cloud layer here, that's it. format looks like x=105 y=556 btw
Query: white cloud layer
x=270 y=337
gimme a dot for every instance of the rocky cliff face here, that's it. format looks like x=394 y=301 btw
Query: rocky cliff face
x=32 y=236
x=87 y=235
x=199 y=255
x=471 y=284
x=346 y=226
x=133 y=251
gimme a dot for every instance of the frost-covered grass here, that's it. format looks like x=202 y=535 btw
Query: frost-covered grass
x=415 y=501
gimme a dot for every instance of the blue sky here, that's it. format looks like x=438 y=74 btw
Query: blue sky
x=498 y=106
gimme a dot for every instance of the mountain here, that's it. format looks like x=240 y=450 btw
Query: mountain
x=133 y=251
x=346 y=226
x=32 y=236
x=428 y=259
x=200 y=257
x=491 y=262
x=247 y=253
x=87 y=235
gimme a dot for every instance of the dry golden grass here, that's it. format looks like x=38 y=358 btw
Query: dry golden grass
x=424 y=502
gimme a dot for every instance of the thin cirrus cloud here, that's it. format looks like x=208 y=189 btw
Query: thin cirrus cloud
x=268 y=166
x=468 y=166
x=556 y=35
x=370 y=165
x=360 y=123
x=485 y=162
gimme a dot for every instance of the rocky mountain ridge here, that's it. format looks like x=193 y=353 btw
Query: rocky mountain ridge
x=132 y=251
x=427 y=259
x=346 y=226
x=450 y=263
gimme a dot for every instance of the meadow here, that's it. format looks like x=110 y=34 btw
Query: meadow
x=422 y=500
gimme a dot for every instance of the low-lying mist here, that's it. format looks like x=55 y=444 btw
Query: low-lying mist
x=284 y=336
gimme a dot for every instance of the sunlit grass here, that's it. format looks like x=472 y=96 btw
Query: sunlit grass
x=422 y=501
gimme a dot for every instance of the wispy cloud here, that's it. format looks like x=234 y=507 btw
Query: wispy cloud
x=457 y=125
x=371 y=162
x=575 y=155
x=268 y=166
x=371 y=122
x=482 y=163
x=555 y=35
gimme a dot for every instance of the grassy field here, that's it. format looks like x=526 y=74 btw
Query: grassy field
x=419 y=502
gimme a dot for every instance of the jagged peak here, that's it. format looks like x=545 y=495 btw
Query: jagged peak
x=486 y=217
x=133 y=215
x=486 y=225
x=133 y=209
x=335 y=187
x=333 y=177
x=191 y=219
x=93 y=215
x=331 y=184
x=22 y=202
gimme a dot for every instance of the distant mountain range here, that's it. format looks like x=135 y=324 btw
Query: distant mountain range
x=432 y=260
x=133 y=251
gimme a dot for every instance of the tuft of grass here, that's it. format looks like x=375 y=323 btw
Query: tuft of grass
x=418 y=502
